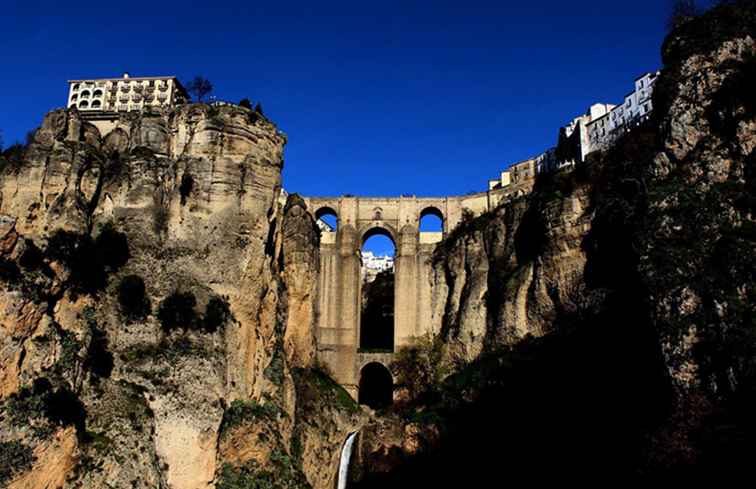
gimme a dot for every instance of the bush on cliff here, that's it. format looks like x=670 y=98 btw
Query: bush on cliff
x=421 y=368
x=89 y=261
x=177 y=311
x=132 y=297
x=217 y=313
x=15 y=458
x=43 y=408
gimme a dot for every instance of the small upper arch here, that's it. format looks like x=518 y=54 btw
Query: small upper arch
x=431 y=219
x=327 y=219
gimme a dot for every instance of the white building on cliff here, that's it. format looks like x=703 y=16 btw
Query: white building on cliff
x=103 y=95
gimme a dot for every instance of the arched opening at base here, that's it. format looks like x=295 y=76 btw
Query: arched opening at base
x=376 y=386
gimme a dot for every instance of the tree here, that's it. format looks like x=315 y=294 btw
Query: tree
x=682 y=11
x=199 y=87
x=258 y=108
x=246 y=103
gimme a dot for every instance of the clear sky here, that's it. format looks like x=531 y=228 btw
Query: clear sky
x=377 y=98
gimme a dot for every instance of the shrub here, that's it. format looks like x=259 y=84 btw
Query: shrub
x=217 y=314
x=177 y=311
x=60 y=407
x=99 y=360
x=186 y=187
x=64 y=408
x=15 y=458
x=112 y=248
x=421 y=367
x=245 y=103
x=248 y=411
x=132 y=297
x=89 y=261
x=32 y=258
x=13 y=158
x=317 y=388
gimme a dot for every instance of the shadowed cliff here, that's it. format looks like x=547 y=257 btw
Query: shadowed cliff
x=602 y=327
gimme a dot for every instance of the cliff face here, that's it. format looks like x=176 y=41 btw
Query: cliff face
x=154 y=282
x=633 y=274
x=505 y=275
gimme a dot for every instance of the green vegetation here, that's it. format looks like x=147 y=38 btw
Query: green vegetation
x=90 y=261
x=15 y=458
x=43 y=408
x=421 y=368
x=284 y=475
x=316 y=389
x=179 y=311
x=99 y=359
x=132 y=297
x=275 y=369
x=186 y=187
x=241 y=412
x=217 y=314
x=169 y=350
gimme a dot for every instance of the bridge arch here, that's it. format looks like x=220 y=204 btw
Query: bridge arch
x=427 y=217
x=376 y=388
x=377 y=292
x=328 y=216
x=377 y=228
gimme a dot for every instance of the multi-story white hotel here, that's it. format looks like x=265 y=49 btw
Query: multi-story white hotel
x=125 y=94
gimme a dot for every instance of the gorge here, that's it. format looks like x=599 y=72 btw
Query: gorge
x=169 y=319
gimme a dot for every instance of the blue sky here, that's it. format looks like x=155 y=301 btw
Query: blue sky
x=377 y=98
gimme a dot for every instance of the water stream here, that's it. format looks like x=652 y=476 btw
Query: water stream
x=346 y=456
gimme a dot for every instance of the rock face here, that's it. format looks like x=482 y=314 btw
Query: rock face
x=191 y=201
x=504 y=275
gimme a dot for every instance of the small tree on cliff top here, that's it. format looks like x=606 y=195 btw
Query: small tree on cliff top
x=199 y=87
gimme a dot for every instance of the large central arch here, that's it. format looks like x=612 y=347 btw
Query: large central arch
x=377 y=297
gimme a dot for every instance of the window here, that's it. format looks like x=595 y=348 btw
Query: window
x=96 y=104
x=85 y=93
x=83 y=104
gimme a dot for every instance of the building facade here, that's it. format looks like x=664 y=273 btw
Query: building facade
x=637 y=106
x=373 y=264
x=125 y=94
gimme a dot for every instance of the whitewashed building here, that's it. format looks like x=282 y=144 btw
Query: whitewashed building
x=373 y=264
x=636 y=108
x=125 y=94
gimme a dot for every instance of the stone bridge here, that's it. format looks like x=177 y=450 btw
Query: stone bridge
x=340 y=287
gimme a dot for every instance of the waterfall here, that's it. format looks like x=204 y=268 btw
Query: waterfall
x=346 y=455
